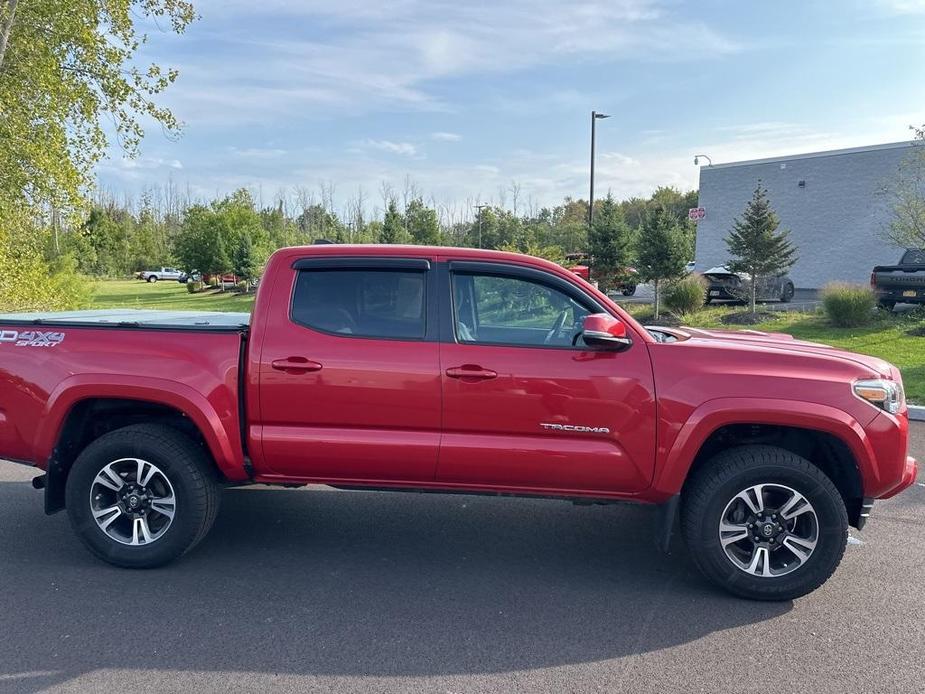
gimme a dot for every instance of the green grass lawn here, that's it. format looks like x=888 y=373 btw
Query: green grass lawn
x=885 y=338
x=165 y=295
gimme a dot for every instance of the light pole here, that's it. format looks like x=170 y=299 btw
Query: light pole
x=594 y=118
x=698 y=157
x=480 y=208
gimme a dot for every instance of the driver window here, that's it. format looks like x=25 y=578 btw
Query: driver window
x=509 y=310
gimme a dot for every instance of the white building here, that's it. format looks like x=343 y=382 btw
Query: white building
x=832 y=202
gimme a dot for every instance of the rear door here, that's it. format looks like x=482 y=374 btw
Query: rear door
x=525 y=407
x=349 y=377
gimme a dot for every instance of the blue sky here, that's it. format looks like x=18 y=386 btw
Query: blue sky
x=463 y=98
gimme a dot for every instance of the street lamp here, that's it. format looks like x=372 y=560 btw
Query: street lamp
x=698 y=157
x=594 y=118
x=480 y=208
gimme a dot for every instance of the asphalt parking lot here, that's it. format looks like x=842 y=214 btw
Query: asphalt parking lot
x=306 y=590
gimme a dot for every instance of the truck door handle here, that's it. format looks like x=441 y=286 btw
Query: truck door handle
x=296 y=365
x=471 y=372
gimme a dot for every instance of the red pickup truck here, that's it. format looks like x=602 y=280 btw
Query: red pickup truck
x=452 y=370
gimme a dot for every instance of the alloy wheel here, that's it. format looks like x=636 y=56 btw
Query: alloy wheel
x=132 y=501
x=769 y=530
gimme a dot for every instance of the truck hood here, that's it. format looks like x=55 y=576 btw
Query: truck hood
x=783 y=343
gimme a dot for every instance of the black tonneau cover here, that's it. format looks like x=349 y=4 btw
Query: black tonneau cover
x=133 y=318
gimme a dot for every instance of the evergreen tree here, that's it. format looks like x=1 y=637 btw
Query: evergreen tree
x=662 y=250
x=393 y=226
x=243 y=262
x=757 y=248
x=609 y=243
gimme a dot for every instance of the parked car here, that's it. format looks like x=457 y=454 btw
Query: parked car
x=732 y=286
x=452 y=370
x=904 y=282
x=194 y=276
x=162 y=273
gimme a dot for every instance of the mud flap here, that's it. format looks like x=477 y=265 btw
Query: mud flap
x=667 y=519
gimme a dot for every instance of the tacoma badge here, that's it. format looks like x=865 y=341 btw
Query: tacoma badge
x=575 y=427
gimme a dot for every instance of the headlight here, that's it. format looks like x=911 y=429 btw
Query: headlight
x=882 y=393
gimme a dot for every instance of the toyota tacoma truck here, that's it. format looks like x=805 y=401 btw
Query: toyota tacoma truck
x=902 y=283
x=453 y=370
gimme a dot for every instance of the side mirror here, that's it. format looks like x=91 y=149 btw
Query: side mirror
x=603 y=331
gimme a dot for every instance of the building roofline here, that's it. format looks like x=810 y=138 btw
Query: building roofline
x=811 y=155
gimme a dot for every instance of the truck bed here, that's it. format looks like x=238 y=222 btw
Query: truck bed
x=53 y=364
x=129 y=317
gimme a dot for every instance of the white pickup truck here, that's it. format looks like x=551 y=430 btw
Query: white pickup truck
x=161 y=273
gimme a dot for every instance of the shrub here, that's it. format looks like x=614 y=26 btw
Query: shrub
x=848 y=305
x=192 y=286
x=686 y=295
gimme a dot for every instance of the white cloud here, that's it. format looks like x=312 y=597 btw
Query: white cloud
x=258 y=152
x=446 y=137
x=903 y=6
x=403 y=148
x=618 y=159
x=373 y=55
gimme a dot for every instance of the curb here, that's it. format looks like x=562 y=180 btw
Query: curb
x=917 y=413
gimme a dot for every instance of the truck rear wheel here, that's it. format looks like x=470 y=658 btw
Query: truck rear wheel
x=764 y=523
x=141 y=496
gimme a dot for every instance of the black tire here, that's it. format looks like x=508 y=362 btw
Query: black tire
x=628 y=290
x=706 y=497
x=183 y=462
x=152 y=278
x=787 y=294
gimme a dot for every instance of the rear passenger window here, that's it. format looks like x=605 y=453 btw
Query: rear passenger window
x=363 y=303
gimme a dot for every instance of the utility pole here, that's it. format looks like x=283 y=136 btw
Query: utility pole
x=594 y=118
x=480 y=208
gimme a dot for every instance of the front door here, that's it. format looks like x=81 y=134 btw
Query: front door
x=524 y=407
x=349 y=379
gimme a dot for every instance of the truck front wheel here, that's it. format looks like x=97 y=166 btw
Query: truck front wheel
x=141 y=496
x=764 y=523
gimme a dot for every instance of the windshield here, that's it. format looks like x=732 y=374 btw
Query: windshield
x=914 y=256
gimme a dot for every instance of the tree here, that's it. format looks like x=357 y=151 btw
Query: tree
x=393 y=226
x=906 y=195
x=65 y=69
x=421 y=223
x=756 y=247
x=609 y=243
x=243 y=262
x=662 y=252
x=201 y=244
x=29 y=282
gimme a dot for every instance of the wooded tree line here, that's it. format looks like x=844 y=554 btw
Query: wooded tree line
x=66 y=69
x=236 y=233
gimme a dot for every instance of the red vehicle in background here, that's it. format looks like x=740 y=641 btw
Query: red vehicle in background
x=580 y=264
x=452 y=370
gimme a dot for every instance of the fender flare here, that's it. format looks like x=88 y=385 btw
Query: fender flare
x=224 y=445
x=674 y=463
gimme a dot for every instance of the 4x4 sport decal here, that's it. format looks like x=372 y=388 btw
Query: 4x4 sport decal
x=31 y=338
